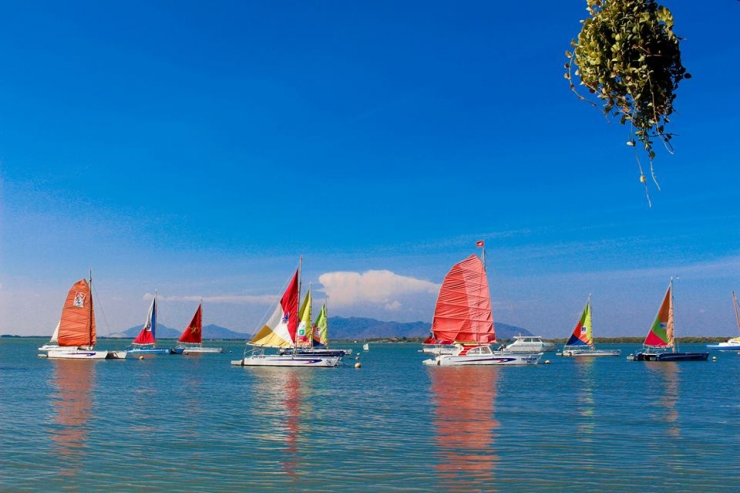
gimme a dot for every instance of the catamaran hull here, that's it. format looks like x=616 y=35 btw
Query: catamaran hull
x=497 y=358
x=289 y=361
x=148 y=352
x=575 y=353
x=669 y=356
x=202 y=350
x=75 y=354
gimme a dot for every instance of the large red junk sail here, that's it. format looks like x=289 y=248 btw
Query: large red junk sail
x=463 y=310
x=77 y=324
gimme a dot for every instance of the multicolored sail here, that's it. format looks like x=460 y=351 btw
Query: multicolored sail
x=582 y=335
x=321 y=329
x=463 y=310
x=77 y=323
x=661 y=332
x=193 y=333
x=148 y=334
x=280 y=329
x=303 y=333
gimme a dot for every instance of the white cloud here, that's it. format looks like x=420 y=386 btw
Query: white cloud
x=228 y=299
x=379 y=287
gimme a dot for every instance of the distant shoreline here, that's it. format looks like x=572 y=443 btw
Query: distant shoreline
x=598 y=340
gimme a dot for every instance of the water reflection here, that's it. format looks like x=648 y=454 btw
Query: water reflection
x=585 y=369
x=667 y=397
x=73 y=381
x=465 y=424
x=282 y=390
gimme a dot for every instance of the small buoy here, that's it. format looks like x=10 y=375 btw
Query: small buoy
x=358 y=365
x=714 y=358
x=547 y=361
x=141 y=357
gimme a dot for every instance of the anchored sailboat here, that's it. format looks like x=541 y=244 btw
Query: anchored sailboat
x=734 y=343
x=463 y=317
x=581 y=341
x=660 y=344
x=146 y=342
x=75 y=335
x=315 y=339
x=280 y=333
x=191 y=340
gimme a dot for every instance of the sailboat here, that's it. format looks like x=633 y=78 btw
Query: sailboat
x=75 y=335
x=581 y=342
x=734 y=343
x=463 y=317
x=191 y=340
x=315 y=339
x=279 y=332
x=146 y=342
x=660 y=344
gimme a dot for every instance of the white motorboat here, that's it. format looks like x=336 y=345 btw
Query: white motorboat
x=483 y=355
x=529 y=344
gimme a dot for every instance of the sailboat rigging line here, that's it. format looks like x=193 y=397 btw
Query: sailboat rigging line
x=506 y=295
x=99 y=305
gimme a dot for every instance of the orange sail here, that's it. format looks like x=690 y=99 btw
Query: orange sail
x=463 y=309
x=193 y=334
x=77 y=324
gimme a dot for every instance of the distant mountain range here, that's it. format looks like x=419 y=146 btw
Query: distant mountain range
x=353 y=328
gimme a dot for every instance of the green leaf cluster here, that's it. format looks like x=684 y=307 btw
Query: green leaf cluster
x=629 y=57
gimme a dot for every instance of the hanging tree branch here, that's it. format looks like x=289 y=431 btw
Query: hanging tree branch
x=629 y=57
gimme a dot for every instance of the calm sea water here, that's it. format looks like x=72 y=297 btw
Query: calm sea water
x=184 y=423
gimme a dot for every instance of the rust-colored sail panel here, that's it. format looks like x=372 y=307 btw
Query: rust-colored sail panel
x=77 y=324
x=463 y=310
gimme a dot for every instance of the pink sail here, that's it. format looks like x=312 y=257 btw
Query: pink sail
x=463 y=310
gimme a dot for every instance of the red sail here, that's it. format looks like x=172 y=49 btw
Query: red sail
x=289 y=303
x=194 y=332
x=77 y=324
x=463 y=310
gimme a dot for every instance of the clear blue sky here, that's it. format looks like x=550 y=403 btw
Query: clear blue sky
x=198 y=149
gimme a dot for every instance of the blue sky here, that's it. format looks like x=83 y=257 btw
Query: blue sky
x=198 y=150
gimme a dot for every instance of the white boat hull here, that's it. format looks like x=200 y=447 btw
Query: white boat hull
x=302 y=361
x=437 y=350
x=530 y=344
x=725 y=346
x=76 y=354
x=202 y=350
x=576 y=353
x=495 y=358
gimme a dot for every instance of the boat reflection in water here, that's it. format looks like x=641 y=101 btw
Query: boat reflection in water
x=72 y=403
x=282 y=392
x=465 y=424
x=667 y=390
x=585 y=398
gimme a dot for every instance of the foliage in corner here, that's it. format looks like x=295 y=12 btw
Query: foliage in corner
x=629 y=57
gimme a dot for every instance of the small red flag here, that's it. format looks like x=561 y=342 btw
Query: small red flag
x=480 y=243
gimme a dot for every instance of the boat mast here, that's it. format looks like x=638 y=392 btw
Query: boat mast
x=669 y=328
x=737 y=314
x=92 y=315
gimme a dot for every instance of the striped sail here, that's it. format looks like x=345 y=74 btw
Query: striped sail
x=148 y=334
x=280 y=329
x=661 y=332
x=582 y=335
